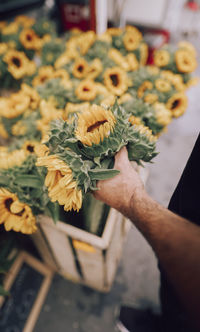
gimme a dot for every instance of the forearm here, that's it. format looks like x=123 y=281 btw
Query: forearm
x=176 y=243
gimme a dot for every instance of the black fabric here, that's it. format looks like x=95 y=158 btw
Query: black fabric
x=186 y=203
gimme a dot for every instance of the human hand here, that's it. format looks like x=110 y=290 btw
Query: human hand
x=119 y=190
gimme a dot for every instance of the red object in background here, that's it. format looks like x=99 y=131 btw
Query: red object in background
x=78 y=14
x=155 y=39
x=192 y=5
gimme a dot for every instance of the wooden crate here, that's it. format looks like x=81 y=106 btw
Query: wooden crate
x=81 y=256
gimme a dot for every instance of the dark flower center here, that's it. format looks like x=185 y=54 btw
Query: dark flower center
x=16 y=62
x=115 y=79
x=8 y=203
x=96 y=125
x=86 y=89
x=80 y=68
x=175 y=104
x=30 y=148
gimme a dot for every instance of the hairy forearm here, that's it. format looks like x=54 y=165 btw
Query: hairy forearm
x=176 y=243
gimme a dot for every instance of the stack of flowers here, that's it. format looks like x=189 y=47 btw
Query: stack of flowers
x=87 y=97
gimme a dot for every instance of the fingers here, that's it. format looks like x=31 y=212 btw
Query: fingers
x=121 y=157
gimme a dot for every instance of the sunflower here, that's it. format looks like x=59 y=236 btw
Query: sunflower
x=32 y=94
x=161 y=58
x=187 y=46
x=44 y=73
x=175 y=79
x=62 y=60
x=132 y=62
x=114 y=31
x=80 y=68
x=185 y=61
x=11 y=159
x=131 y=40
x=150 y=98
x=25 y=21
x=144 y=53
x=146 y=85
x=30 y=40
x=19 y=129
x=60 y=183
x=163 y=115
x=95 y=69
x=17 y=63
x=61 y=73
x=94 y=125
x=85 y=41
x=3 y=132
x=30 y=146
x=118 y=58
x=16 y=215
x=135 y=121
x=3 y=48
x=162 y=85
x=10 y=29
x=177 y=104
x=86 y=90
x=14 y=105
x=115 y=80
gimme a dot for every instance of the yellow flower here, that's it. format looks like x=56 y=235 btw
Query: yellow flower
x=11 y=159
x=161 y=58
x=60 y=183
x=3 y=132
x=144 y=53
x=86 y=90
x=163 y=115
x=150 y=98
x=114 y=31
x=11 y=28
x=25 y=21
x=62 y=60
x=14 y=105
x=146 y=85
x=17 y=63
x=175 y=79
x=49 y=113
x=16 y=215
x=106 y=37
x=177 y=104
x=153 y=70
x=115 y=80
x=134 y=30
x=162 y=85
x=61 y=73
x=95 y=69
x=131 y=40
x=124 y=98
x=132 y=62
x=3 y=48
x=30 y=40
x=118 y=58
x=94 y=125
x=185 y=61
x=85 y=41
x=135 y=121
x=80 y=68
x=187 y=46
x=73 y=108
x=19 y=129
x=44 y=73
x=32 y=94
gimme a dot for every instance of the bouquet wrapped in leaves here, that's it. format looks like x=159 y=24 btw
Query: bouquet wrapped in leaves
x=79 y=152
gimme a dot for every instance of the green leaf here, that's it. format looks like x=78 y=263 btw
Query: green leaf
x=31 y=181
x=3 y=181
x=102 y=174
x=53 y=209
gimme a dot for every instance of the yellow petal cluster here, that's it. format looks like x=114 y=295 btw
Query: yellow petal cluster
x=161 y=58
x=60 y=183
x=177 y=104
x=18 y=64
x=146 y=85
x=16 y=215
x=94 y=125
x=116 y=81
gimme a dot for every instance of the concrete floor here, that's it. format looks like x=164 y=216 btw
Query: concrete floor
x=70 y=307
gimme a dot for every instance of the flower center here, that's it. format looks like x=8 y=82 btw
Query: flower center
x=16 y=62
x=96 y=125
x=115 y=80
x=30 y=148
x=80 y=68
x=175 y=104
x=29 y=37
x=86 y=89
x=8 y=203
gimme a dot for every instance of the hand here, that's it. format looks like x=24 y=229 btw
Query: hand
x=119 y=190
